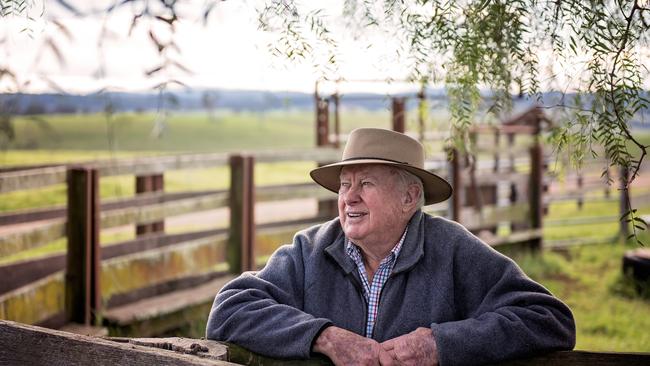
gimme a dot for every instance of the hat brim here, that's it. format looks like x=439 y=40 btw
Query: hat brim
x=436 y=189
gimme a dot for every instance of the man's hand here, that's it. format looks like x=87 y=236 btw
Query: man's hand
x=346 y=348
x=416 y=348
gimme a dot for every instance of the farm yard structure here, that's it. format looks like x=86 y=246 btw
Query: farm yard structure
x=159 y=282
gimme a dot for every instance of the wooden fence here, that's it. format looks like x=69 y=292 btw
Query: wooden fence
x=91 y=283
x=40 y=346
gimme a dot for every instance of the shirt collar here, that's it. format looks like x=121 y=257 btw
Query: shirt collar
x=413 y=246
x=354 y=252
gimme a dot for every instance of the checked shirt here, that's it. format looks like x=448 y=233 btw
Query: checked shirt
x=372 y=291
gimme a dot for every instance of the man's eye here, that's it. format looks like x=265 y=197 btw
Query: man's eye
x=345 y=184
x=366 y=183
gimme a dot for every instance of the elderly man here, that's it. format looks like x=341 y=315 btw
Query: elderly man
x=385 y=283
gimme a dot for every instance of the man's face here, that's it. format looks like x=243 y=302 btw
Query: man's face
x=370 y=204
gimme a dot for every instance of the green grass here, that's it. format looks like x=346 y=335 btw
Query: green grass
x=587 y=278
x=32 y=157
x=182 y=132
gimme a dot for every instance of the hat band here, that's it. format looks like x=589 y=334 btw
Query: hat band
x=375 y=158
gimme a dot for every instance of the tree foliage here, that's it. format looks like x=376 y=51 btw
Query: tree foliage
x=486 y=52
x=490 y=51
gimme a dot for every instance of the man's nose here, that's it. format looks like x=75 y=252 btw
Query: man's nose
x=352 y=194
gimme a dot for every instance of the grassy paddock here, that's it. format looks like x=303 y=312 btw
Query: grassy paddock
x=588 y=278
x=182 y=132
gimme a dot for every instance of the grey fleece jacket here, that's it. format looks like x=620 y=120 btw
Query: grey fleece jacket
x=480 y=306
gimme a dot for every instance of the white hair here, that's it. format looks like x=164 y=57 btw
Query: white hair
x=405 y=179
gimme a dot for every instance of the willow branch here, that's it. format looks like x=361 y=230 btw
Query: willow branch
x=612 y=74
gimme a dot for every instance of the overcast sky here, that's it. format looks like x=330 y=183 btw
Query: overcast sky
x=228 y=52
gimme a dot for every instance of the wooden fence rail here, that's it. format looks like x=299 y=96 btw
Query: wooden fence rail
x=32 y=178
x=22 y=344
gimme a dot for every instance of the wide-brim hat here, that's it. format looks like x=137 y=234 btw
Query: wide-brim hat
x=381 y=146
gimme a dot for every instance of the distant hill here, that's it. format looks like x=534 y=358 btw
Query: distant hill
x=192 y=100
x=235 y=100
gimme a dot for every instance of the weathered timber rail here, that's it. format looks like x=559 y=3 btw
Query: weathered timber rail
x=22 y=344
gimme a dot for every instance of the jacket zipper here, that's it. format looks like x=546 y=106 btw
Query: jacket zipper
x=359 y=288
x=381 y=297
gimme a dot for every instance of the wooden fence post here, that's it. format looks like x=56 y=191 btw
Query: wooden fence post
x=497 y=142
x=624 y=207
x=511 y=145
x=535 y=190
x=456 y=183
x=146 y=184
x=327 y=207
x=82 y=290
x=322 y=122
x=337 y=120
x=398 y=115
x=421 y=110
x=241 y=243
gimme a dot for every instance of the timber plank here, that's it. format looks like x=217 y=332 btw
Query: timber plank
x=161 y=265
x=566 y=358
x=32 y=178
x=488 y=177
x=22 y=273
x=57 y=212
x=492 y=215
x=200 y=347
x=514 y=238
x=291 y=191
x=160 y=164
x=31 y=215
x=583 y=220
x=15 y=242
x=583 y=358
x=16 y=275
x=162 y=288
x=22 y=344
x=35 y=302
x=502 y=150
x=167 y=303
x=88 y=330
x=319 y=155
x=156 y=212
x=243 y=356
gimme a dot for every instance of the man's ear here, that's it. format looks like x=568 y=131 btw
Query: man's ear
x=411 y=197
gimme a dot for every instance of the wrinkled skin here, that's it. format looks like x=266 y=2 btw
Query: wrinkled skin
x=346 y=348
x=415 y=348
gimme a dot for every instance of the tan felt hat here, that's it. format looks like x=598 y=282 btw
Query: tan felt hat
x=381 y=146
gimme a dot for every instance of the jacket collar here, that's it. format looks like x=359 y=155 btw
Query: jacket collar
x=412 y=248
